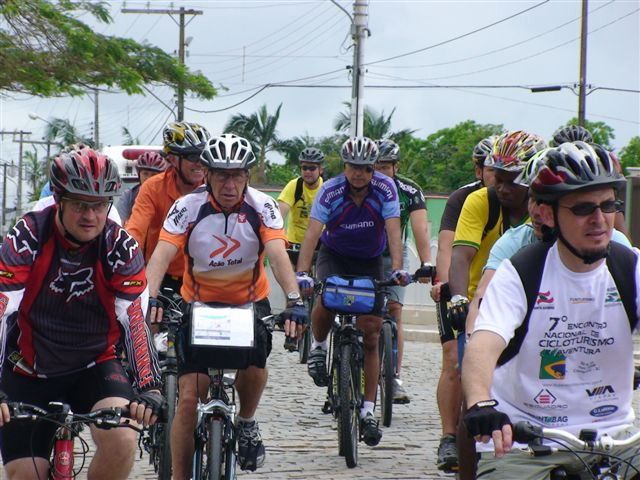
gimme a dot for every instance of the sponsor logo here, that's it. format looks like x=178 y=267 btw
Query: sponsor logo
x=22 y=239
x=384 y=187
x=354 y=226
x=132 y=283
x=228 y=246
x=64 y=459
x=271 y=210
x=586 y=367
x=176 y=215
x=612 y=297
x=552 y=419
x=123 y=250
x=76 y=283
x=242 y=218
x=602 y=390
x=5 y=274
x=553 y=365
x=545 y=397
x=577 y=300
x=603 y=411
x=544 y=297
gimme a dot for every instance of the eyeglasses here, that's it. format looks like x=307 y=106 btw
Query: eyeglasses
x=78 y=206
x=223 y=177
x=309 y=168
x=194 y=158
x=366 y=168
x=587 y=208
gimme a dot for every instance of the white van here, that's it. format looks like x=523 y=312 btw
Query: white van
x=125 y=156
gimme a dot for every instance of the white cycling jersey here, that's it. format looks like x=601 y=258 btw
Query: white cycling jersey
x=575 y=366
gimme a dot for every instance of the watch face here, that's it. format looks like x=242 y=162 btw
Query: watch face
x=293 y=296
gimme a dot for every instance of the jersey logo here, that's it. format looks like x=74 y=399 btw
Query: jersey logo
x=123 y=250
x=544 y=297
x=176 y=215
x=553 y=365
x=242 y=218
x=79 y=283
x=235 y=244
x=4 y=301
x=22 y=239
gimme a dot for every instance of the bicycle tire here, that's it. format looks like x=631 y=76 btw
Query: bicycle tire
x=164 y=463
x=215 y=448
x=304 y=344
x=386 y=378
x=348 y=415
x=230 y=452
x=199 y=467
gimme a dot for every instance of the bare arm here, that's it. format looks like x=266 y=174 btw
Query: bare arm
x=443 y=261
x=461 y=257
x=420 y=228
x=394 y=238
x=480 y=359
x=311 y=237
x=281 y=266
x=474 y=306
x=284 y=209
x=158 y=264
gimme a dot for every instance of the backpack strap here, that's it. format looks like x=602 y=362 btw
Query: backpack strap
x=297 y=196
x=529 y=263
x=494 y=211
x=622 y=263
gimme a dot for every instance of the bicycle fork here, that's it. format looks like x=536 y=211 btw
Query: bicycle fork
x=63 y=458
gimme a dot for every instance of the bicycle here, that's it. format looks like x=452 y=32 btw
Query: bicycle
x=388 y=352
x=70 y=425
x=157 y=443
x=604 y=465
x=303 y=344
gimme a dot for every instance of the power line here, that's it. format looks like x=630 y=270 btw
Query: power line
x=490 y=52
x=459 y=36
x=231 y=106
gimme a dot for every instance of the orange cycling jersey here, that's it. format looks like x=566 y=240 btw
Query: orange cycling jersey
x=224 y=251
x=149 y=211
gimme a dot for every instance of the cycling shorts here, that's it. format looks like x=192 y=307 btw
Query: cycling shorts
x=81 y=390
x=396 y=292
x=256 y=356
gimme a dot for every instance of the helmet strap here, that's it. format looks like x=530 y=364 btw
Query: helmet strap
x=588 y=259
x=181 y=176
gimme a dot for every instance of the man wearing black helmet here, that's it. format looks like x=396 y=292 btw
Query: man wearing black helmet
x=226 y=228
x=556 y=322
x=297 y=196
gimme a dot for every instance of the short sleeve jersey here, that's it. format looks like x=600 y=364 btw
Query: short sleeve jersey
x=469 y=231
x=411 y=199
x=575 y=365
x=454 y=205
x=300 y=210
x=224 y=251
x=351 y=230
x=67 y=309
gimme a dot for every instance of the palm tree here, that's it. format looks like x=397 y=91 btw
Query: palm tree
x=260 y=129
x=36 y=173
x=291 y=147
x=62 y=131
x=375 y=126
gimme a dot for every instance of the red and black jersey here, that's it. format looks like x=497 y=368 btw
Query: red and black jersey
x=65 y=309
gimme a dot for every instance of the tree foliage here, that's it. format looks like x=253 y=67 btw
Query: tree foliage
x=630 y=155
x=45 y=51
x=375 y=125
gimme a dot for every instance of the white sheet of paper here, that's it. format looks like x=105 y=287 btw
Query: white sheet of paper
x=222 y=326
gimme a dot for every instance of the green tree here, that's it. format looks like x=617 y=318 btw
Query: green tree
x=442 y=161
x=375 y=125
x=602 y=133
x=61 y=131
x=45 y=51
x=280 y=174
x=630 y=155
x=260 y=129
x=290 y=148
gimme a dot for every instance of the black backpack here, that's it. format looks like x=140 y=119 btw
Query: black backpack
x=297 y=196
x=529 y=263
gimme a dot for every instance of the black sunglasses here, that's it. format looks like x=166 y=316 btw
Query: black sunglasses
x=366 y=168
x=309 y=168
x=587 y=208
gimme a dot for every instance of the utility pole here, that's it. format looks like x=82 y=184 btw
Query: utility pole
x=4 y=194
x=181 y=24
x=582 y=91
x=359 y=31
x=22 y=141
x=96 y=119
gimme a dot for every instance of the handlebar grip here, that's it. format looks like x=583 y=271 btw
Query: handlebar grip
x=19 y=408
x=525 y=432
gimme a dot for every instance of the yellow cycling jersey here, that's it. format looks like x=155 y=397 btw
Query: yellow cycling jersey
x=469 y=231
x=298 y=220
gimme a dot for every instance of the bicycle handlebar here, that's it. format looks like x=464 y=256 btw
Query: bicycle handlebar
x=525 y=432
x=102 y=418
x=414 y=278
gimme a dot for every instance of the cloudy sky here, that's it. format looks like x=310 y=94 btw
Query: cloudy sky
x=244 y=45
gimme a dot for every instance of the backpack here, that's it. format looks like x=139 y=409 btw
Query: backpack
x=494 y=212
x=297 y=196
x=529 y=263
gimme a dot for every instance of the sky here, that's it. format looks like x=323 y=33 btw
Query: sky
x=242 y=45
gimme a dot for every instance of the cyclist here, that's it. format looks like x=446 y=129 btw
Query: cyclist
x=474 y=237
x=73 y=287
x=449 y=392
x=297 y=196
x=183 y=143
x=355 y=209
x=225 y=229
x=412 y=209
x=148 y=164
x=568 y=384
x=516 y=238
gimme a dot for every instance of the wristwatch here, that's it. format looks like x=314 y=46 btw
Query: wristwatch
x=293 y=296
x=486 y=403
x=456 y=299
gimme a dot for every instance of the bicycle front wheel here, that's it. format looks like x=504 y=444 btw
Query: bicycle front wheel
x=386 y=379
x=215 y=448
x=304 y=344
x=164 y=464
x=349 y=399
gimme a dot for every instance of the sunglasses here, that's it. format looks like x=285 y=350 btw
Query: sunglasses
x=587 y=208
x=366 y=168
x=78 y=206
x=309 y=168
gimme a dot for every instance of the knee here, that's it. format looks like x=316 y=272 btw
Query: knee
x=120 y=444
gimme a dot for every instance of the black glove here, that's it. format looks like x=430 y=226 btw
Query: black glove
x=152 y=399
x=484 y=419
x=296 y=311
x=426 y=270
x=458 y=312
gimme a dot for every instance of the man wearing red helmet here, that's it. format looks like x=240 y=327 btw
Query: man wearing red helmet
x=72 y=289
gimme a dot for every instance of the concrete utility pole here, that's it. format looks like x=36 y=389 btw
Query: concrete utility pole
x=4 y=195
x=582 y=88
x=21 y=141
x=182 y=24
x=96 y=119
x=359 y=31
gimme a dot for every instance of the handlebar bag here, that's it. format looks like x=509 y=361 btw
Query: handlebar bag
x=350 y=295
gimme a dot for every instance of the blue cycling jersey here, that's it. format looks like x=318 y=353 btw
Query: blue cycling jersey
x=352 y=230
